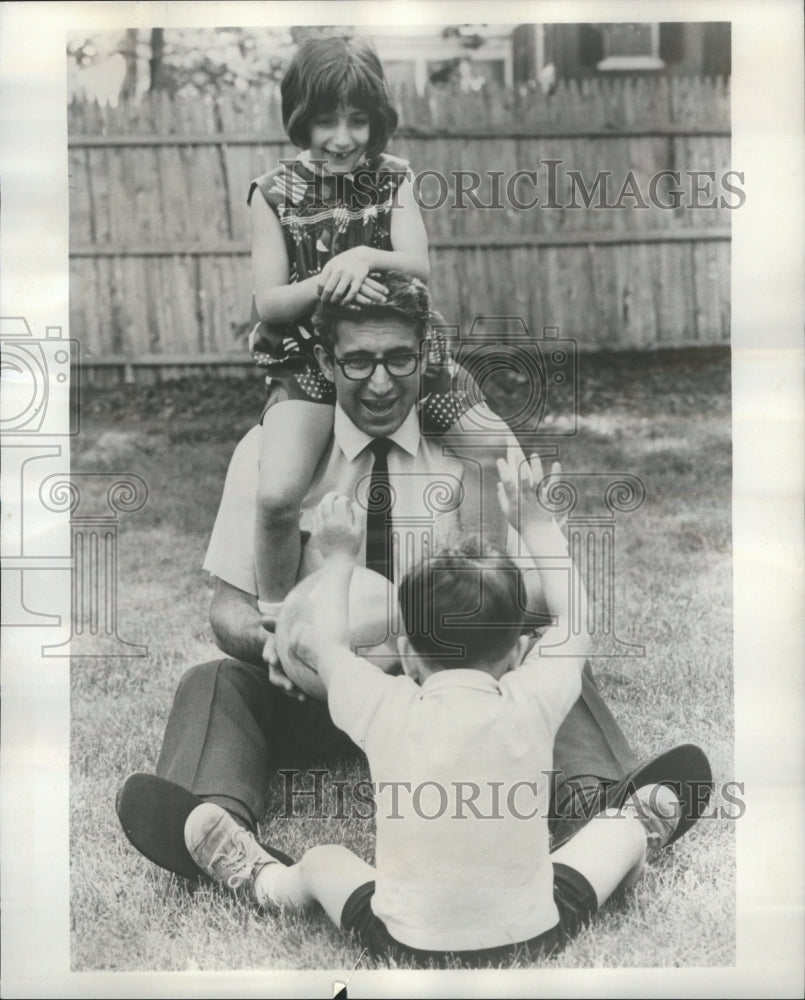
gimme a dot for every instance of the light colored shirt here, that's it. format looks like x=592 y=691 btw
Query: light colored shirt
x=461 y=771
x=427 y=487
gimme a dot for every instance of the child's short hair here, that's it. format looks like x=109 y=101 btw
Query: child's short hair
x=407 y=297
x=467 y=597
x=333 y=70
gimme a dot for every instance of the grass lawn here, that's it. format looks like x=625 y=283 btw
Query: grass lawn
x=664 y=417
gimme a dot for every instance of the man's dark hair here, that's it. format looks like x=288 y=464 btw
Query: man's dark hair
x=462 y=607
x=407 y=298
x=333 y=70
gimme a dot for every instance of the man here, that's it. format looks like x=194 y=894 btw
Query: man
x=233 y=722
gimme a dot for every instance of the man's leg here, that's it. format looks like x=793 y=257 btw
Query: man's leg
x=226 y=731
x=216 y=742
x=590 y=753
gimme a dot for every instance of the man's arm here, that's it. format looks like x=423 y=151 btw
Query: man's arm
x=241 y=632
x=237 y=623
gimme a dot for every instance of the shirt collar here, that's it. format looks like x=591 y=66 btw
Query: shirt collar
x=352 y=440
x=463 y=677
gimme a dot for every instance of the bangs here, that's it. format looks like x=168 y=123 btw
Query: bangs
x=329 y=72
x=339 y=84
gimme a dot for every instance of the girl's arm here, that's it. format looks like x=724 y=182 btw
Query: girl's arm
x=344 y=275
x=276 y=300
x=409 y=239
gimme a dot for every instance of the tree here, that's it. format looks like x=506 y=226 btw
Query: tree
x=128 y=49
x=156 y=63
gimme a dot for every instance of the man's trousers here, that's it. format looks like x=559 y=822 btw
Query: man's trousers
x=230 y=731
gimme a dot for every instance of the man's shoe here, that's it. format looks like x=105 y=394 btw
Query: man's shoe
x=223 y=850
x=153 y=812
x=685 y=769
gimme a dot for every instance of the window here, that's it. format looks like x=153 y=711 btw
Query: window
x=624 y=47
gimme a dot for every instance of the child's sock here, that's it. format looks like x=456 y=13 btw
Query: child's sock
x=280 y=885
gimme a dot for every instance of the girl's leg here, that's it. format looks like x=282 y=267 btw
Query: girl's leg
x=327 y=874
x=293 y=436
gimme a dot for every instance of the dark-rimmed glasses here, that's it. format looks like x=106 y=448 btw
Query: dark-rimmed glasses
x=360 y=369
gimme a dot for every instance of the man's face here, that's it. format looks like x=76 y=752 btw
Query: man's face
x=379 y=404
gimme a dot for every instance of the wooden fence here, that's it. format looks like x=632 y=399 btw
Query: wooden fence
x=159 y=229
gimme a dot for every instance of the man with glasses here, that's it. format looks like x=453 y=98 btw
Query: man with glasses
x=233 y=722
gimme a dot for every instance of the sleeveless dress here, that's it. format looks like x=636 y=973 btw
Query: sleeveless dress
x=323 y=215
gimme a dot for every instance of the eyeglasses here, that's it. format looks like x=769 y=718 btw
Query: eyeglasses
x=360 y=369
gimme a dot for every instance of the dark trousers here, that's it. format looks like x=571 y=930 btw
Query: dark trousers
x=229 y=732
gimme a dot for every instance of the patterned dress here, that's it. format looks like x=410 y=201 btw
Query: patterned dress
x=321 y=216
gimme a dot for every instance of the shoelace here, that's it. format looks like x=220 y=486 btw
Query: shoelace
x=238 y=859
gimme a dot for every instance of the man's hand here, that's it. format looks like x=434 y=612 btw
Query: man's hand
x=346 y=276
x=337 y=528
x=276 y=675
x=518 y=491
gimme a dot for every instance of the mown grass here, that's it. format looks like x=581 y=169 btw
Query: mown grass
x=664 y=417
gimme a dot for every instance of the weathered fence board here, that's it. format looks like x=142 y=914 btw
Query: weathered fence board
x=160 y=228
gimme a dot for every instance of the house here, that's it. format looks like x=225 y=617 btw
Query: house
x=472 y=55
x=576 y=50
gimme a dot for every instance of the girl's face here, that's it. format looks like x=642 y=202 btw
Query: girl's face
x=340 y=138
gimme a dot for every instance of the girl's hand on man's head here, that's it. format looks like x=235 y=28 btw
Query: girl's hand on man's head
x=344 y=276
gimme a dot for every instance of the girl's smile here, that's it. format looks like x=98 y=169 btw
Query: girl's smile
x=340 y=138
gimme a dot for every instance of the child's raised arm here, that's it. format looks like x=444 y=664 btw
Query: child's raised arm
x=338 y=532
x=517 y=491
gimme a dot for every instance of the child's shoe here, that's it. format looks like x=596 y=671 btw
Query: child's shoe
x=225 y=851
x=658 y=809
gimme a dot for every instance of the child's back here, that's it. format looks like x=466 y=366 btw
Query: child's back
x=461 y=768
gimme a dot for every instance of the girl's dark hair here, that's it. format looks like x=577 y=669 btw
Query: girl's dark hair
x=463 y=606
x=333 y=70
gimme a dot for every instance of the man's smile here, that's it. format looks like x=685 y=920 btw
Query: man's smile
x=380 y=407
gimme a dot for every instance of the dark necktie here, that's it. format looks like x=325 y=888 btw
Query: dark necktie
x=379 y=501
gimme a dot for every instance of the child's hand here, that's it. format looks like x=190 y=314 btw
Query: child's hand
x=518 y=491
x=337 y=527
x=276 y=675
x=371 y=291
x=346 y=275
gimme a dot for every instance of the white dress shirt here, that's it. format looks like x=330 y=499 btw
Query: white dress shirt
x=427 y=485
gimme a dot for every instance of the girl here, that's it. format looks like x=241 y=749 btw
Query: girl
x=325 y=225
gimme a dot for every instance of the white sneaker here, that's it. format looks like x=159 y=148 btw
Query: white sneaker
x=223 y=849
x=658 y=809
